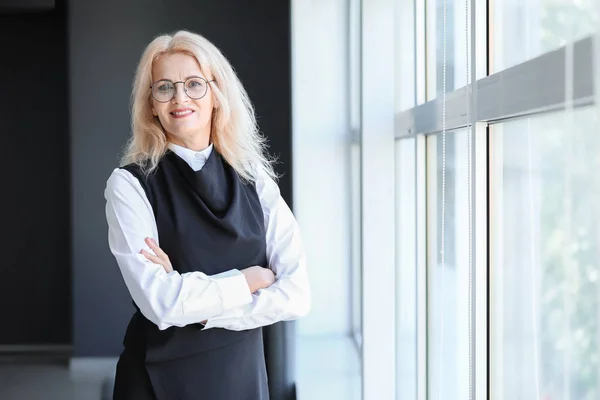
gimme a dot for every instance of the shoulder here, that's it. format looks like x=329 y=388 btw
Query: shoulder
x=133 y=169
x=267 y=190
x=125 y=198
x=123 y=181
x=137 y=173
x=264 y=182
x=128 y=173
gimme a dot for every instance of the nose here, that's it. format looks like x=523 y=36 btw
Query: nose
x=180 y=95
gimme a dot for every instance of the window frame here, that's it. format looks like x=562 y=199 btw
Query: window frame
x=532 y=87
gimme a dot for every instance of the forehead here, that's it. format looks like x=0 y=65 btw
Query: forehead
x=176 y=66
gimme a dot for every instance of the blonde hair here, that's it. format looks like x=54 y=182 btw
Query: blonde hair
x=234 y=131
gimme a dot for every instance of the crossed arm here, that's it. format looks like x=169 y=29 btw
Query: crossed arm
x=235 y=300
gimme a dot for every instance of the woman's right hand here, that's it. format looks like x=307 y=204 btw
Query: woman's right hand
x=258 y=278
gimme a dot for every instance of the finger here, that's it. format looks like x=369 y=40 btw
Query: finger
x=154 y=246
x=152 y=257
x=157 y=250
x=156 y=260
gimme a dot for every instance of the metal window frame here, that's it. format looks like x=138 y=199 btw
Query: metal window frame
x=480 y=50
x=421 y=249
x=480 y=264
x=532 y=87
x=354 y=55
x=421 y=199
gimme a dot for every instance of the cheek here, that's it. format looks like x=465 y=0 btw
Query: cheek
x=206 y=108
x=157 y=108
x=162 y=112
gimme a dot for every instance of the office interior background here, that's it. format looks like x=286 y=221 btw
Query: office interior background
x=442 y=158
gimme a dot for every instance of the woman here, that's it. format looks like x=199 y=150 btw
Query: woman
x=208 y=249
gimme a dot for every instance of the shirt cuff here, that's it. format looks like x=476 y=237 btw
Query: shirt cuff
x=233 y=288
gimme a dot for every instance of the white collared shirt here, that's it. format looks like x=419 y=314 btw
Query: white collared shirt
x=224 y=300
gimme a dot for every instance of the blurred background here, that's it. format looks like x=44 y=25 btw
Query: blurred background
x=442 y=158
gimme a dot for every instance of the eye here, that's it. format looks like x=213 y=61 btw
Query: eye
x=165 y=87
x=162 y=86
x=195 y=84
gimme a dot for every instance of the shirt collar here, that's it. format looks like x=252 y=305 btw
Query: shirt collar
x=195 y=159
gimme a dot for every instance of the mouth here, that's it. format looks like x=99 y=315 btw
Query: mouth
x=181 y=113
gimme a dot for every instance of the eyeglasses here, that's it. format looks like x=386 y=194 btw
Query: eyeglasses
x=195 y=87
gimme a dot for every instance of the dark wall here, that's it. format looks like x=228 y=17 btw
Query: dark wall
x=20 y=6
x=35 y=288
x=106 y=40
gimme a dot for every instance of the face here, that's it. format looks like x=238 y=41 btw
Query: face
x=186 y=121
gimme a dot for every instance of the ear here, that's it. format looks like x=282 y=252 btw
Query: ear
x=154 y=112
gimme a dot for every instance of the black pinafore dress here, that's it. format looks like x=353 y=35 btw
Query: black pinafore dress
x=209 y=221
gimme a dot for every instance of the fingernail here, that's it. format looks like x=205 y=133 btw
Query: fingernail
x=153 y=241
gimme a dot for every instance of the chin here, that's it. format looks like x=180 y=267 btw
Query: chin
x=184 y=131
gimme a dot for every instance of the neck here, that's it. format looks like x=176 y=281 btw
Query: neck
x=196 y=143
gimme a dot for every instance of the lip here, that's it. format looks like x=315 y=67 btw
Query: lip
x=181 y=110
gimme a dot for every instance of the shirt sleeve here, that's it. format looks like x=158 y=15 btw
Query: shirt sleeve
x=166 y=299
x=290 y=296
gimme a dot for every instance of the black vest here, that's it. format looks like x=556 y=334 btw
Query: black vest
x=209 y=221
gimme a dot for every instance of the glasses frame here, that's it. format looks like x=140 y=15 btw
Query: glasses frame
x=184 y=88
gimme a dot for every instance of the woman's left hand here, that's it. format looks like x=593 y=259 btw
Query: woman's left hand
x=160 y=258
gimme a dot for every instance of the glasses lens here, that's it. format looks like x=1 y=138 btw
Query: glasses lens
x=195 y=87
x=163 y=90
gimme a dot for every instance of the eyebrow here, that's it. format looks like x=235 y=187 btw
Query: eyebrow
x=187 y=77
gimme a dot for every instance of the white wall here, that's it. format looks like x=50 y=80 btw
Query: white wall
x=321 y=157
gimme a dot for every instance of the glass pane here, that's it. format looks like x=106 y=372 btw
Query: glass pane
x=406 y=272
x=456 y=45
x=545 y=247
x=405 y=54
x=526 y=29
x=448 y=282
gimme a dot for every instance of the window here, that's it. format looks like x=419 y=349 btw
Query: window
x=406 y=269
x=515 y=313
x=545 y=273
x=525 y=29
x=405 y=55
x=456 y=44
x=448 y=282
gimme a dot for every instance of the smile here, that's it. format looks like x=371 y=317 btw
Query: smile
x=182 y=113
